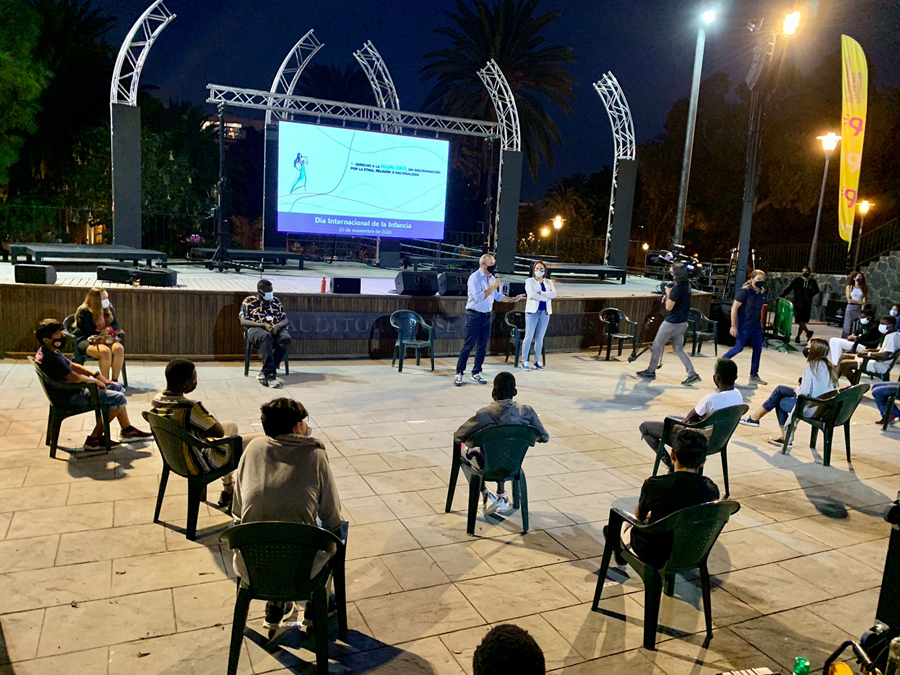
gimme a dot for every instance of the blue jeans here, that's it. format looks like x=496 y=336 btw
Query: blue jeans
x=112 y=397
x=782 y=401
x=536 y=328
x=881 y=392
x=478 y=329
x=754 y=337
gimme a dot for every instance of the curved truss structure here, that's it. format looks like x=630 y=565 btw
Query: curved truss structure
x=292 y=67
x=504 y=105
x=380 y=78
x=133 y=53
x=623 y=138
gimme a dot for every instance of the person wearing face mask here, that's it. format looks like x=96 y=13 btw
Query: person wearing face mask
x=285 y=476
x=673 y=327
x=869 y=337
x=895 y=311
x=746 y=322
x=538 y=308
x=880 y=359
x=856 y=291
x=194 y=418
x=267 y=329
x=57 y=367
x=483 y=290
x=805 y=289
x=97 y=333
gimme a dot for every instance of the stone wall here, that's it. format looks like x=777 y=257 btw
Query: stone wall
x=882 y=275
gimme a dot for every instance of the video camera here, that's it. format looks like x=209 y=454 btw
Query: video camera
x=675 y=255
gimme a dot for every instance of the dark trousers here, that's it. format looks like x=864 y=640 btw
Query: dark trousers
x=652 y=433
x=754 y=337
x=272 y=348
x=478 y=330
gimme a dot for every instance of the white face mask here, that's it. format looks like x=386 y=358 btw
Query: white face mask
x=269 y=295
x=308 y=433
x=538 y=274
x=864 y=320
x=893 y=312
x=104 y=303
x=883 y=329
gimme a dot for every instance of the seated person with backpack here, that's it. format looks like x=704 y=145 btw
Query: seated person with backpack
x=725 y=396
x=501 y=412
x=57 y=367
x=663 y=495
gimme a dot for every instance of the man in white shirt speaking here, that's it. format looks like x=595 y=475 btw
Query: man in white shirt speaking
x=483 y=291
x=725 y=396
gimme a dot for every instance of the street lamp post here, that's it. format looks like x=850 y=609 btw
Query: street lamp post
x=829 y=143
x=557 y=225
x=864 y=207
x=707 y=18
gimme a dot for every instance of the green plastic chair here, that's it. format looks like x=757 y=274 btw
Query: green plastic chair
x=248 y=348
x=504 y=447
x=80 y=357
x=60 y=395
x=170 y=439
x=406 y=322
x=828 y=414
x=701 y=329
x=693 y=530
x=883 y=377
x=279 y=558
x=723 y=423
x=783 y=324
x=616 y=326
x=515 y=321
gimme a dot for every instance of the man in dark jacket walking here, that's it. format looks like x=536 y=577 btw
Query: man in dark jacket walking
x=804 y=289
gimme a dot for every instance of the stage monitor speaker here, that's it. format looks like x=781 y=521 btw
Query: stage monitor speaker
x=345 y=285
x=154 y=277
x=35 y=274
x=116 y=275
x=416 y=283
x=512 y=288
x=453 y=283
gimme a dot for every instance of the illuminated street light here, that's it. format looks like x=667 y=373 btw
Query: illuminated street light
x=829 y=143
x=557 y=225
x=791 y=23
x=646 y=246
x=864 y=207
x=709 y=16
x=545 y=231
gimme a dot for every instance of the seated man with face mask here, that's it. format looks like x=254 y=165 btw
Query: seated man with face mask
x=267 y=330
x=879 y=357
x=868 y=338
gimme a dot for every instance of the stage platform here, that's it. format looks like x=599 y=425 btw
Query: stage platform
x=198 y=318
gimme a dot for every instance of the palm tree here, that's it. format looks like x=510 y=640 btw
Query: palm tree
x=507 y=31
x=333 y=84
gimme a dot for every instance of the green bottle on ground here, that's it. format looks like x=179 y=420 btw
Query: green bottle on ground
x=801 y=666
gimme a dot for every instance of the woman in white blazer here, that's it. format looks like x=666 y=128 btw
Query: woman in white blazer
x=538 y=308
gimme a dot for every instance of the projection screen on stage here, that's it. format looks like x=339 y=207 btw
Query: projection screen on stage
x=347 y=182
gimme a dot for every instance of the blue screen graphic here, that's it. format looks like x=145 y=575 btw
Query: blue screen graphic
x=347 y=182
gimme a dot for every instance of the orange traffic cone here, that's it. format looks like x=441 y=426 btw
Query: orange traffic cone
x=322 y=289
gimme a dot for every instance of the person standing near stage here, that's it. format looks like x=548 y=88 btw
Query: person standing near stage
x=804 y=289
x=540 y=292
x=483 y=289
x=673 y=327
x=746 y=322
x=267 y=329
x=856 y=291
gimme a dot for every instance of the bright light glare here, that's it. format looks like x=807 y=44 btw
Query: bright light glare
x=558 y=222
x=545 y=231
x=646 y=246
x=791 y=23
x=864 y=206
x=829 y=141
x=708 y=16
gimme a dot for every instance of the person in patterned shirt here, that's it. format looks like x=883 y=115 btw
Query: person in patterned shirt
x=267 y=329
x=193 y=417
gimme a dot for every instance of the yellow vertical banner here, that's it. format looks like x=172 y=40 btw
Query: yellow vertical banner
x=855 y=81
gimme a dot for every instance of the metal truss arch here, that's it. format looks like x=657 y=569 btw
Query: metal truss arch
x=380 y=78
x=504 y=104
x=133 y=53
x=623 y=139
x=292 y=67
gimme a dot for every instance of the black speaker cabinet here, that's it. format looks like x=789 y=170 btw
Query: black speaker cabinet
x=453 y=283
x=512 y=288
x=416 y=283
x=35 y=274
x=346 y=285
x=116 y=275
x=154 y=277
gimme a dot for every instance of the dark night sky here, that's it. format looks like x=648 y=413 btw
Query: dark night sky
x=648 y=45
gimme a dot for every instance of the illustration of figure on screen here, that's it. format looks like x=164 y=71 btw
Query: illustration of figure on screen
x=300 y=165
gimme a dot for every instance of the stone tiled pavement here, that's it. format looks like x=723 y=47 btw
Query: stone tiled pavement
x=88 y=584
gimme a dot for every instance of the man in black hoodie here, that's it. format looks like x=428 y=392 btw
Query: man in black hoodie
x=804 y=289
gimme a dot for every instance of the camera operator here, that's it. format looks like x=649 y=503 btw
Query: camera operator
x=678 y=305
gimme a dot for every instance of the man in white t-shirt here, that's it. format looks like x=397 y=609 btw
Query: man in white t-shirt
x=725 y=396
x=880 y=359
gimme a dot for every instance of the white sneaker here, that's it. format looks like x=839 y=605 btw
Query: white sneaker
x=288 y=613
x=503 y=505
x=490 y=503
x=525 y=365
x=458 y=380
x=274 y=382
x=261 y=378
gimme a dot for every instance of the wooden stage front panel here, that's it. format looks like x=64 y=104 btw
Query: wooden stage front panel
x=165 y=323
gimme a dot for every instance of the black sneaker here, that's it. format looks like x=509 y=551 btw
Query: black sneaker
x=691 y=379
x=797 y=339
x=276 y=613
x=225 y=499
x=646 y=374
x=308 y=610
x=750 y=422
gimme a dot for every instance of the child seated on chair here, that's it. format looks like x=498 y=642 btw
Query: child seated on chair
x=664 y=495
x=502 y=411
